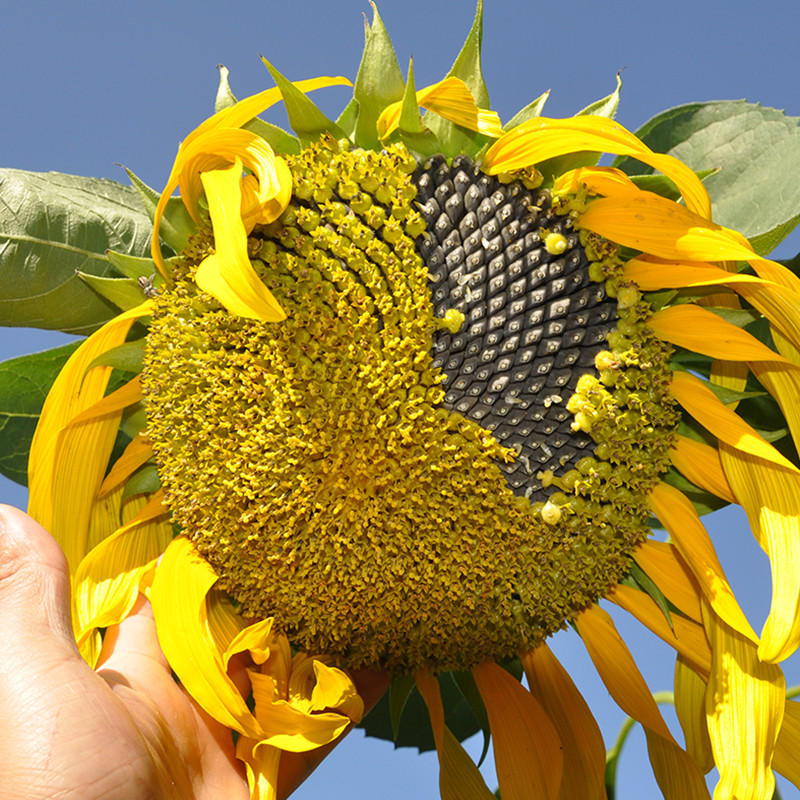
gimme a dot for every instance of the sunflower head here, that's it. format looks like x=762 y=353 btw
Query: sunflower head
x=443 y=452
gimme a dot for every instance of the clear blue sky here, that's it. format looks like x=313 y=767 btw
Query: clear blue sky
x=92 y=84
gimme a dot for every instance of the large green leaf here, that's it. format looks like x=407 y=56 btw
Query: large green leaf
x=757 y=151
x=51 y=225
x=24 y=383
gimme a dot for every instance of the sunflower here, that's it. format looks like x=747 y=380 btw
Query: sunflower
x=408 y=396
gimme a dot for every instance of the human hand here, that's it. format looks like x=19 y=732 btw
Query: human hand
x=126 y=731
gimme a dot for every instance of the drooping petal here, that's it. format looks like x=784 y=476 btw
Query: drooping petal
x=106 y=583
x=702 y=331
x=138 y=451
x=66 y=467
x=690 y=707
x=701 y=464
x=178 y=597
x=541 y=138
x=459 y=778
x=228 y=274
x=228 y=118
x=744 y=709
x=676 y=773
x=261 y=763
x=605 y=181
x=581 y=740
x=451 y=99
x=679 y=517
x=784 y=759
x=769 y=496
x=127 y=394
x=663 y=564
x=685 y=636
x=527 y=748
x=725 y=424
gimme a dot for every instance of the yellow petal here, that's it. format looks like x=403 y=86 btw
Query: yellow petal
x=106 y=583
x=782 y=381
x=702 y=331
x=701 y=464
x=744 y=710
x=784 y=759
x=66 y=467
x=459 y=778
x=127 y=394
x=779 y=304
x=261 y=762
x=581 y=740
x=676 y=773
x=678 y=516
x=527 y=747
x=542 y=137
x=653 y=224
x=713 y=415
x=690 y=707
x=769 y=496
x=138 y=452
x=605 y=181
x=229 y=118
x=334 y=689
x=451 y=99
x=228 y=274
x=685 y=636
x=290 y=728
x=663 y=563
x=178 y=596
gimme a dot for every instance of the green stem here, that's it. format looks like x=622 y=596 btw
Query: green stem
x=612 y=757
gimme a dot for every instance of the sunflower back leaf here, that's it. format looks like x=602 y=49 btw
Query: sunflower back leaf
x=305 y=117
x=379 y=81
x=757 y=152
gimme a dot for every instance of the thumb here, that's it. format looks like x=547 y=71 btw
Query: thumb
x=34 y=587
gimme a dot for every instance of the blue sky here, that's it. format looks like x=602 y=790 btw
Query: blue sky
x=88 y=86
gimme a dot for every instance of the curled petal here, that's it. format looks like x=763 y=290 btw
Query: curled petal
x=678 y=516
x=228 y=274
x=67 y=463
x=451 y=99
x=541 y=138
x=605 y=181
x=744 y=710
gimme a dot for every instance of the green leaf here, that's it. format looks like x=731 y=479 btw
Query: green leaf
x=138 y=266
x=731 y=395
x=225 y=97
x=399 y=690
x=757 y=151
x=24 y=384
x=126 y=357
x=144 y=481
x=176 y=225
x=411 y=131
x=469 y=689
x=606 y=106
x=124 y=293
x=533 y=109
x=646 y=584
x=662 y=185
x=379 y=81
x=306 y=119
x=51 y=225
x=277 y=138
x=704 y=502
x=347 y=118
x=453 y=138
x=740 y=317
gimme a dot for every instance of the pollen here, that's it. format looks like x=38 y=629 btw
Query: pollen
x=330 y=468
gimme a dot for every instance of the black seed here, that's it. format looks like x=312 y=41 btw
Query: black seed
x=534 y=321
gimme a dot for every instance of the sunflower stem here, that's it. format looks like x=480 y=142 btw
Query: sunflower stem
x=612 y=757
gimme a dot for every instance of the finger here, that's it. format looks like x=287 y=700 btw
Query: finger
x=296 y=767
x=133 y=643
x=34 y=590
